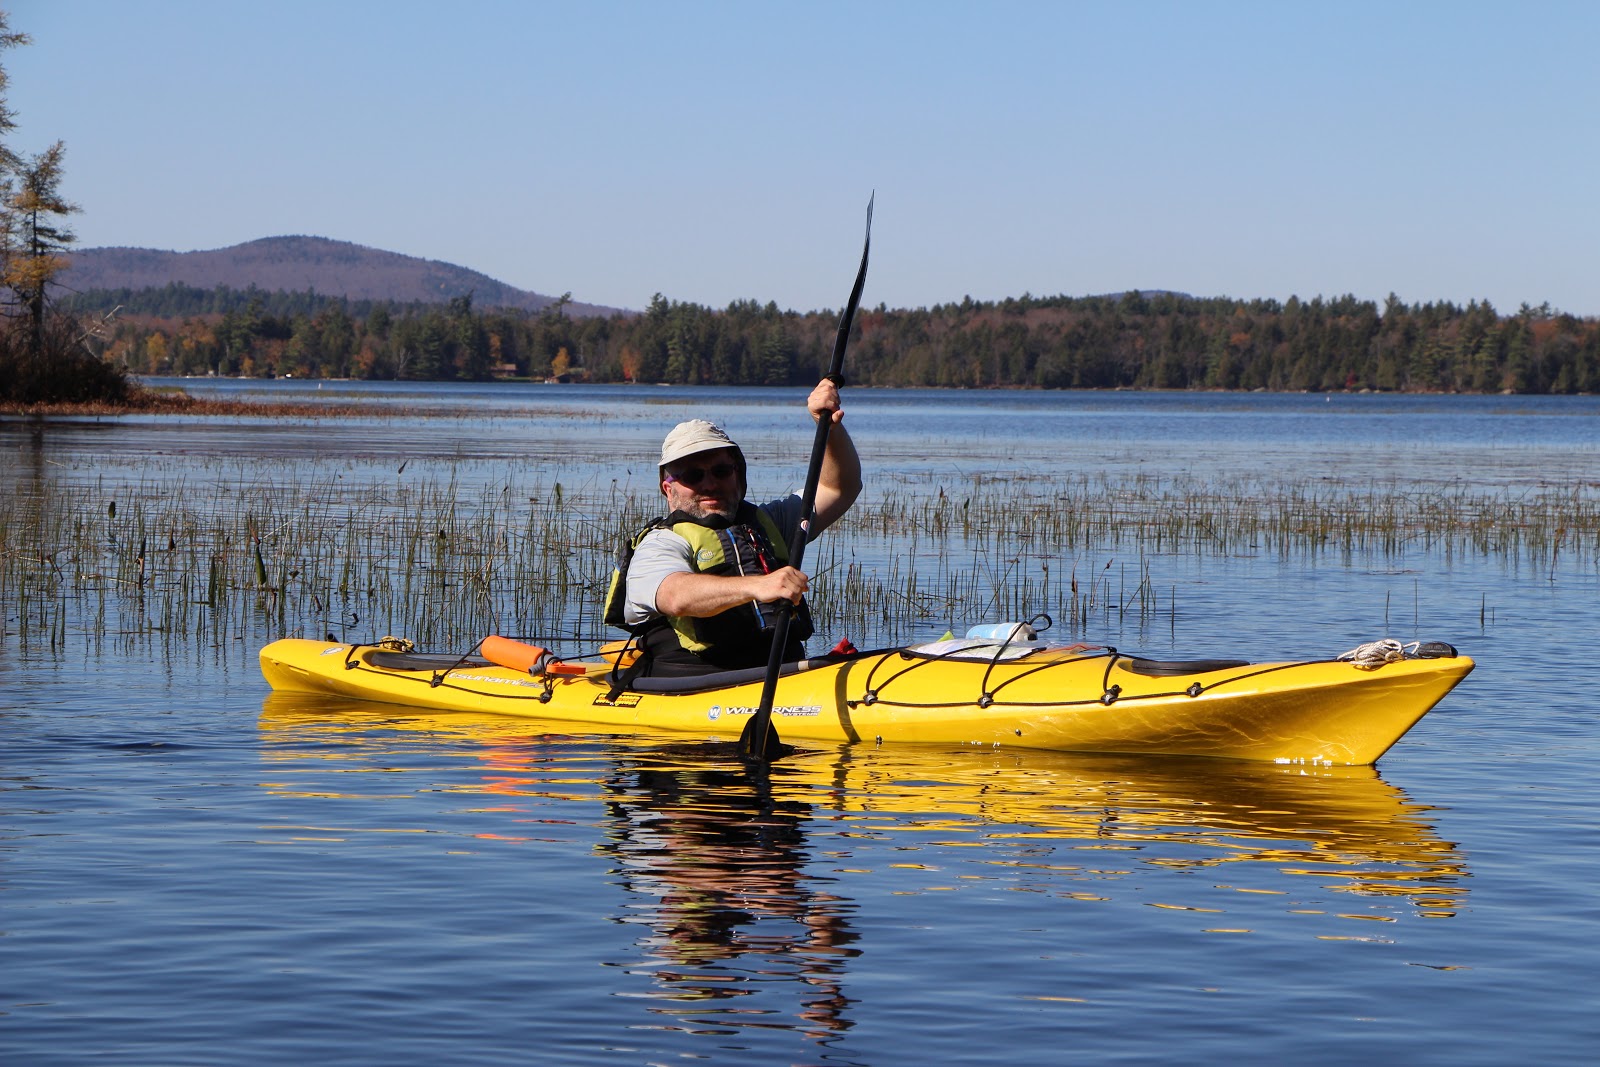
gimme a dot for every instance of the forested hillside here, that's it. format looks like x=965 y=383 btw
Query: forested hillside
x=151 y=281
x=1165 y=341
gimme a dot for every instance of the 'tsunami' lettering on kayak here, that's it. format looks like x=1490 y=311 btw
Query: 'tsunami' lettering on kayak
x=792 y=711
x=457 y=676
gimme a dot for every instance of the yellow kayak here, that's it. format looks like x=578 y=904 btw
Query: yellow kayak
x=1077 y=698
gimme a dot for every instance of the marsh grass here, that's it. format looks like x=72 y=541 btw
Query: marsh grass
x=231 y=563
x=136 y=399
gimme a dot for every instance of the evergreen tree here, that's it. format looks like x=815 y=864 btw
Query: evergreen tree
x=37 y=240
x=8 y=119
x=337 y=339
x=774 y=356
x=1518 y=374
x=47 y=359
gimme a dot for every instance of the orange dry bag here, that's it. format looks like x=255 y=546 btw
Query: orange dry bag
x=514 y=654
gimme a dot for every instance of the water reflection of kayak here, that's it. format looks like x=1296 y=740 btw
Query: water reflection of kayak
x=1342 y=826
x=1078 y=699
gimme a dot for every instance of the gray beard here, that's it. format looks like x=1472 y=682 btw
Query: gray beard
x=701 y=511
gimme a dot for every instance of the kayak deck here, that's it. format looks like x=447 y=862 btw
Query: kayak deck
x=1325 y=712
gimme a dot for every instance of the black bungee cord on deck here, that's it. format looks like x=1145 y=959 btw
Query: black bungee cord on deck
x=1110 y=692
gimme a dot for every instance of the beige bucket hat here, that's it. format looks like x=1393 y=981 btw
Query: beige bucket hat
x=693 y=437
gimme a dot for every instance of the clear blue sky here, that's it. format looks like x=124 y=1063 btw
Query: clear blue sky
x=721 y=151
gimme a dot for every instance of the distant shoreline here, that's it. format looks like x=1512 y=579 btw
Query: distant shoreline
x=166 y=401
x=143 y=401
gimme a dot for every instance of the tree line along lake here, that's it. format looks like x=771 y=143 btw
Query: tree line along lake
x=1128 y=340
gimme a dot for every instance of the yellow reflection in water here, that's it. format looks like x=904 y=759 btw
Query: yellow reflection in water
x=1345 y=827
x=719 y=863
x=1027 y=812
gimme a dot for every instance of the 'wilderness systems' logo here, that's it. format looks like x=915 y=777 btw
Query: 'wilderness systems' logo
x=790 y=711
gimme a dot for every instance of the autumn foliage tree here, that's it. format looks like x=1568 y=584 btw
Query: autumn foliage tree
x=43 y=353
x=34 y=238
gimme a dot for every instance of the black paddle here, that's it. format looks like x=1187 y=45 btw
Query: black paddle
x=760 y=736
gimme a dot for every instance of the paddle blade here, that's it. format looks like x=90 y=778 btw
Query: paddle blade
x=760 y=742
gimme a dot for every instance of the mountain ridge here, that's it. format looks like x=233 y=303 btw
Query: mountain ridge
x=298 y=263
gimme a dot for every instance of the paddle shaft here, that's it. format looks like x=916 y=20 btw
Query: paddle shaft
x=759 y=735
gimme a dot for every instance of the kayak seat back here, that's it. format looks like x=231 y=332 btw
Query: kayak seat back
x=700 y=683
x=1152 y=668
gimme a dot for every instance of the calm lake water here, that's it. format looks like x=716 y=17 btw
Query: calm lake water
x=196 y=871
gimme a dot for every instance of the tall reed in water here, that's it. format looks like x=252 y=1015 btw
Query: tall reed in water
x=234 y=562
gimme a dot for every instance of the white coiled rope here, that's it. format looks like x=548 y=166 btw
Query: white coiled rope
x=1375 y=654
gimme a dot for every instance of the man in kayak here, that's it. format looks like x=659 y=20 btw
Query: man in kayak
x=699 y=588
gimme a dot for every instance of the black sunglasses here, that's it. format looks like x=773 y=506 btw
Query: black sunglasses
x=693 y=476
